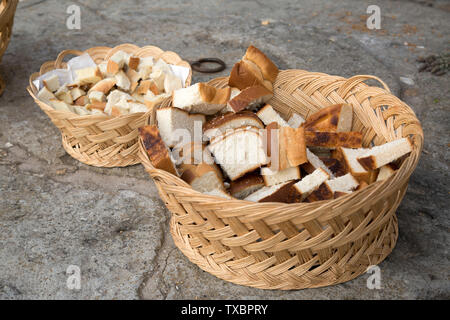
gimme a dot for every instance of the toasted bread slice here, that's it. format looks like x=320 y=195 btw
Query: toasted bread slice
x=156 y=149
x=249 y=98
x=333 y=140
x=385 y=172
x=248 y=184
x=277 y=193
x=268 y=69
x=315 y=163
x=335 y=118
x=268 y=115
x=381 y=155
x=276 y=177
x=348 y=158
x=309 y=183
x=202 y=177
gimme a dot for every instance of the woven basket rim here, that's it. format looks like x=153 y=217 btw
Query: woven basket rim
x=389 y=185
x=55 y=64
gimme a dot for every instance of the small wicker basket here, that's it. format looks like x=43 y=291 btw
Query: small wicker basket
x=304 y=245
x=101 y=140
x=7 y=11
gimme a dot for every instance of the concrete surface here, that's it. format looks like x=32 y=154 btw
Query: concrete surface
x=56 y=212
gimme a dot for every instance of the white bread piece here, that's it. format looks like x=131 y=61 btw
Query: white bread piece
x=219 y=193
x=201 y=98
x=63 y=94
x=295 y=120
x=45 y=95
x=220 y=124
x=151 y=100
x=133 y=62
x=89 y=75
x=276 y=177
x=202 y=177
x=145 y=67
x=234 y=92
x=249 y=98
x=103 y=68
x=266 y=192
x=104 y=85
x=350 y=160
x=96 y=96
x=134 y=78
x=162 y=65
x=385 y=172
x=136 y=107
x=315 y=163
x=346 y=183
x=82 y=111
x=158 y=77
x=52 y=83
x=122 y=81
x=138 y=97
x=268 y=115
x=239 y=152
x=192 y=153
x=60 y=105
x=335 y=118
x=76 y=93
x=117 y=99
x=248 y=184
x=172 y=122
x=172 y=83
x=381 y=155
x=116 y=62
x=310 y=183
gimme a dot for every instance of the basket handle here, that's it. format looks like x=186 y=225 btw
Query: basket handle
x=63 y=54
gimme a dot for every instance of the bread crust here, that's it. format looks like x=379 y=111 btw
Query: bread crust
x=246 y=182
x=268 y=69
x=335 y=118
x=250 y=96
x=214 y=95
x=242 y=77
x=333 y=140
x=219 y=121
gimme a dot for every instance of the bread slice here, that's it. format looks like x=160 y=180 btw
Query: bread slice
x=177 y=126
x=245 y=75
x=385 y=172
x=194 y=152
x=277 y=193
x=202 y=177
x=286 y=147
x=380 y=155
x=309 y=183
x=348 y=157
x=45 y=95
x=276 y=177
x=201 y=98
x=249 y=98
x=314 y=163
x=347 y=183
x=104 y=85
x=51 y=83
x=333 y=140
x=156 y=149
x=335 y=118
x=218 y=125
x=240 y=151
x=295 y=121
x=219 y=193
x=268 y=115
x=334 y=165
x=248 y=184
x=321 y=193
x=268 y=69
x=60 y=105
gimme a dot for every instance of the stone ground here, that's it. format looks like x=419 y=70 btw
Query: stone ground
x=56 y=212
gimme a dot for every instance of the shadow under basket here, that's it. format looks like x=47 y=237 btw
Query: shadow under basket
x=304 y=245
x=102 y=140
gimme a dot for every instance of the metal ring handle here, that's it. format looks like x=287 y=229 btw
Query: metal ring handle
x=197 y=65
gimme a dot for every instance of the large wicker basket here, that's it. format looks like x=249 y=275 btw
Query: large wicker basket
x=305 y=245
x=101 y=140
x=7 y=11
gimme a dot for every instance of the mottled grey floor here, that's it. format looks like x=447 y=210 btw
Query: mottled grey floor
x=56 y=212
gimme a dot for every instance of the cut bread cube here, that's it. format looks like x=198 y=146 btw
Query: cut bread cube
x=385 y=172
x=277 y=193
x=96 y=105
x=60 y=105
x=158 y=77
x=51 y=83
x=45 y=95
x=335 y=118
x=249 y=98
x=104 y=85
x=202 y=177
x=151 y=101
x=348 y=158
x=133 y=62
x=96 y=96
x=268 y=115
x=81 y=110
x=239 y=151
x=103 y=67
x=136 y=107
x=201 y=98
x=122 y=81
x=314 y=163
x=381 y=155
x=82 y=101
x=295 y=121
x=145 y=67
x=147 y=85
x=309 y=183
x=218 y=125
x=89 y=75
x=178 y=126
x=276 y=177
x=248 y=184
x=76 y=93
x=134 y=78
x=63 y=94
x=116 y=62
x=156 y=149
x=219 y=193
x=333 y=140
x=172 y=83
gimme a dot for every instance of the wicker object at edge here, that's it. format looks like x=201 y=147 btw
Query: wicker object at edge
x=7 y=11
x=305 y=245
x=101 y=140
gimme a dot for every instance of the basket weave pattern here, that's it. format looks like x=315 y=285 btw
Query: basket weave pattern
x=305 y=245
x=7 y=11
x=101 y=140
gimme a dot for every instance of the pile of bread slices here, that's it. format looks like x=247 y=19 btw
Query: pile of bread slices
x=229 y=143
x=121 y=85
